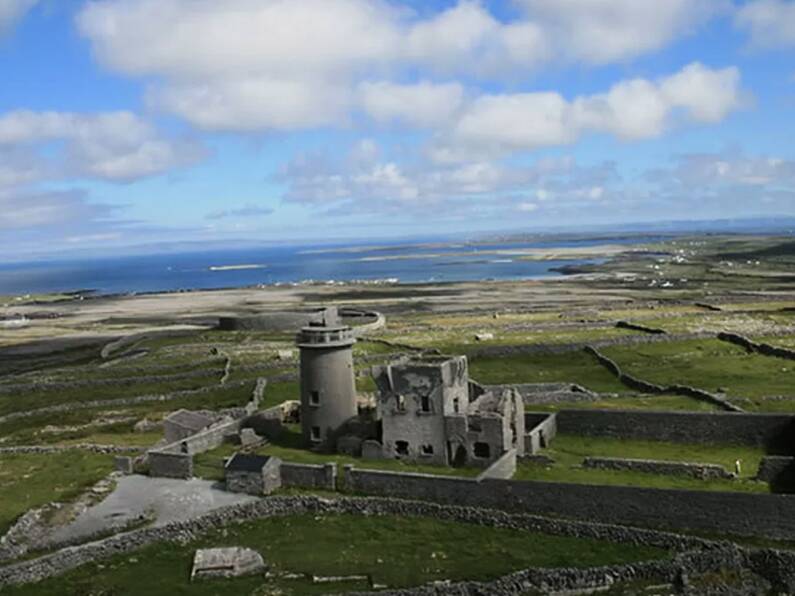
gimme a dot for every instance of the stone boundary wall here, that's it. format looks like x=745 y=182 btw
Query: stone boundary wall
x=741 y=514
x=547 y=393
x=775 y=432
x=28 y=379
x=760 y=348
x=646 y=387
x=129 y=370
x=699 y=471
x=124 y=401
x=276 y=321
x=503 y=467
x=694 y=555
x=706 y=306
x=111 y=382
x=773 y=467
x=583 y=581
x=402 y=347
x=64 y=560
x=379 y=321
x=629 y=340
x=126 y=340
x=93 y=447
x=309 y=475
x=542 y=429
x=643 y=328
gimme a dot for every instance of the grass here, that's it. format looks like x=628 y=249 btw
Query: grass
x=457 y=340
x=710 y=365
x=568 y=452
x=665 y=403
x=570 y=367
x=276 y=393
x=394 y=551
x=39 y=399
x=32 y=480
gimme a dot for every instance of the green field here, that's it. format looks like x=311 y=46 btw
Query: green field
x=568 y=451
x=570 y=367
x=665 y=403
x=394 y=551
x=33 y=480
x=712 y=365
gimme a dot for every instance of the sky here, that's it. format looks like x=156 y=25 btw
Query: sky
x=132 y=122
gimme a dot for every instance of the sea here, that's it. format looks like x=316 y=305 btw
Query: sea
x=274 y=265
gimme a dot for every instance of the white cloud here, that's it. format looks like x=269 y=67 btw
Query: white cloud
x=206 y=38
x=423 y=104
x=630 y=110
x=255 y=103
x=467 y=38
x=29 y=210
x=770 y=23
x=729 y=169
x=116 y=146
x=243 y=64
x=516 y=121
x=253 y=65
x=247 y=211
x=604 y=31
x=11 y=11
x=378 y=185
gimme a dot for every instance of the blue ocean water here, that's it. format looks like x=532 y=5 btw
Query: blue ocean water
x=405 y=263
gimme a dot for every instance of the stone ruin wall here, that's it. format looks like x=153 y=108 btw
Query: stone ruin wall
x=699 y=471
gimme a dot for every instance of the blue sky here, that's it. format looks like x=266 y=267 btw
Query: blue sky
x=127 y=122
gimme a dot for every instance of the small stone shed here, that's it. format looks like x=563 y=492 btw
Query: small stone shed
x=253 y=474
x=184 y=423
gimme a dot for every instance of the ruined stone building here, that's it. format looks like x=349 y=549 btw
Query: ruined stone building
x=328 y=388
x=429 y=412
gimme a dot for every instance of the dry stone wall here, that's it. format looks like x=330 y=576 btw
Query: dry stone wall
x=649 y=466
x=643 y=328
x=628 y=340
x=309 y=475
x=761 y=348
x=93 y=447
x=775 y=432
x=125 y=401
x=742 y=514
x=61 y=561
x=772 y=467
x=547 y=393
x=693 y=555
x=646 y=387
x=112 y=382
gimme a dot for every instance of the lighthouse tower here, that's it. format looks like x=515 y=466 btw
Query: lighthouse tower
x=328 y=389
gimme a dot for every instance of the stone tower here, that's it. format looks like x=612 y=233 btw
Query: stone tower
x=328 y=389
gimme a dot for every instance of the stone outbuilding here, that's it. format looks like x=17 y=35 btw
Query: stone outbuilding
x=184 y=423
x=252 y=474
